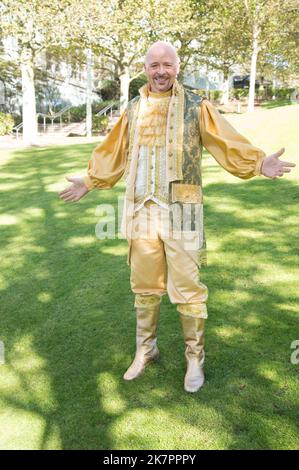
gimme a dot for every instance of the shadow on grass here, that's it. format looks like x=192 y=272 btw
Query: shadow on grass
x=276 y=104
x=67 y=299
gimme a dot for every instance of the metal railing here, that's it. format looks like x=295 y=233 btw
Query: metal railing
x=106 y=109
x=52 y=117
x=17 y=130
x=103 y=112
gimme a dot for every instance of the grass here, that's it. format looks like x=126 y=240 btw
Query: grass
x=68 y=326
x=276 y=103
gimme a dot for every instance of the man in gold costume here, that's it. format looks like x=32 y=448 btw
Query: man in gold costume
x=156 y=146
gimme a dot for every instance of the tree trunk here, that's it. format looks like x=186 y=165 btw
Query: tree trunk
x=255 y=49
x=28 y=104
x=89 y=93
x=225 y=90
x=207 y=83
x=274 y=79
x=124 y=88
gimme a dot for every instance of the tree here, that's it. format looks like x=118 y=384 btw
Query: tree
x=227 y=45
x=128 y=29
x=280 y=59
x=268 y=21
x=116 y=30
x=36 y=25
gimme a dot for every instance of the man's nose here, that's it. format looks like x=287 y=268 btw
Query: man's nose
x=161 y=69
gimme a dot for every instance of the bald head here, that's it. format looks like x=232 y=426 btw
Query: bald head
x=161 y=48
x=161 y=66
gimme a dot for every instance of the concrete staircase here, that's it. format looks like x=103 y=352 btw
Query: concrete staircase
x=62 y=130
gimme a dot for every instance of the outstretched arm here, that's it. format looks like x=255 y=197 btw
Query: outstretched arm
x=233 y=151
x=106 y=166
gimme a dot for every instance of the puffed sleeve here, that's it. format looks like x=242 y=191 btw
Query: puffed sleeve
x=108 y=160
x=231 y=150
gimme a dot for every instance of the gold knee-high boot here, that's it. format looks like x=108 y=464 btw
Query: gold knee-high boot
x=147 y=316
x=193 y=330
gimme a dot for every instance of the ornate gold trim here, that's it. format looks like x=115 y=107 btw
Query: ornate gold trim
x=186 y=193
x=180 y=132
x=147 y=301
x=193 y=310
x=175 y=133
x=134 y=113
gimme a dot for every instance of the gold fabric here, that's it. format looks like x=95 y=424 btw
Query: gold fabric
x=133 y=113
x=174 y=129
x=190 y=310
x=162 y=263
x=108 y=160
x=151 y=180
x=193 y=330
x=147 y=318
x=186 y=193
x=147 y=301
x=152 y=120
x=231 y=150
x=151 y=128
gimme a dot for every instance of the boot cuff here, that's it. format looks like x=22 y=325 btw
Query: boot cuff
x=147 y=301
x=193 y=310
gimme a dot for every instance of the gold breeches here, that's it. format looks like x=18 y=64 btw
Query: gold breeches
x=163 y=262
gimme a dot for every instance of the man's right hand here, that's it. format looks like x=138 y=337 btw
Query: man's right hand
x=74 y=192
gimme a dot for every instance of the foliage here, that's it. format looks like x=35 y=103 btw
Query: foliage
x=280 y=93
x=215 y=95
x=110 y=90
x=6 y=123
x=135 y=85
x=239 y=93
x=215 y=34
x=35 y=24
x=78 y=113
x=99 y=124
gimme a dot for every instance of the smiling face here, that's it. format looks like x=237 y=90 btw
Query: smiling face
x=161 y=67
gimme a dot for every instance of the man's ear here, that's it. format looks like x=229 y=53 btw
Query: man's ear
x=178 y=69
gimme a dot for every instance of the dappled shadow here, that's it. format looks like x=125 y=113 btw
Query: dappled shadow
x=276 y=104
x=68 y=302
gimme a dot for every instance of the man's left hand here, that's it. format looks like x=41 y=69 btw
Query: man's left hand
x=272 y=167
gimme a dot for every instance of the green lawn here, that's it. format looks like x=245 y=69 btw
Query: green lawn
x=68 y=325
x=275 y=103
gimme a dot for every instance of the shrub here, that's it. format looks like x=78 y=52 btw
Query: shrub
x=239 y=93
x=281 y=93
x=212 y=95
x=198 y=91
x=99 y=124
x=135 y=85
x=6 y=123
x=77 y=113
x=215 y=95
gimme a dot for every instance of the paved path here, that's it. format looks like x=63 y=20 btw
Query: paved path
x=7 y=142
